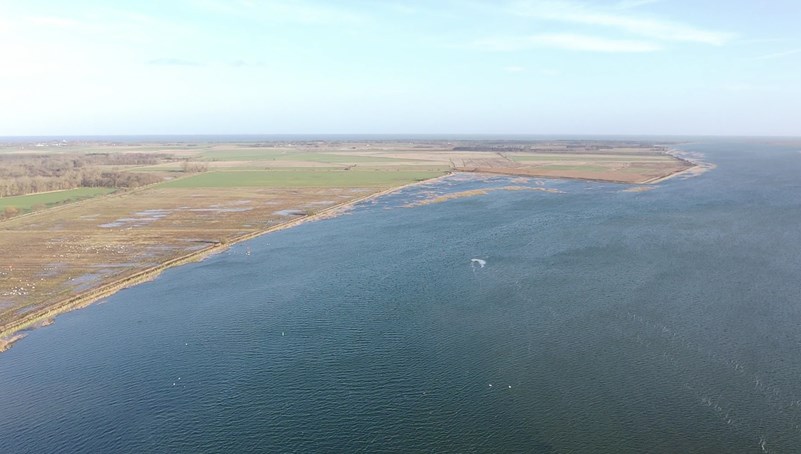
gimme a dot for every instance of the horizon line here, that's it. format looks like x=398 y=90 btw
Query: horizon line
x=444 y=135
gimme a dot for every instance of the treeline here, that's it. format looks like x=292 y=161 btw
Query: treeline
x=28 y=174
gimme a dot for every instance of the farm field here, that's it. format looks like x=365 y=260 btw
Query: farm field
x=290 y=155
x=26 y=203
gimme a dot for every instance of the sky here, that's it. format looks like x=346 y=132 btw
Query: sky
x=681 y=67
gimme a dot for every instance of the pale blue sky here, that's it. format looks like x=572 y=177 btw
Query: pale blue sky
x=306 y=66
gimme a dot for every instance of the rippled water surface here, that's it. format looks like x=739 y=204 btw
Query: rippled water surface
x=599 y=321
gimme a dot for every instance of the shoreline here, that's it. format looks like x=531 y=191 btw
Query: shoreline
x=14 y=331
x=697 y=166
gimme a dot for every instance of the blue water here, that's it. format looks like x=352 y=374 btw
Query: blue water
x=603 y=321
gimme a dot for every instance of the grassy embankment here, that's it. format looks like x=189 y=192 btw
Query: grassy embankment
x=25 y=203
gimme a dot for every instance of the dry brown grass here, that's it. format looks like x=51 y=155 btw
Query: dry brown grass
x=625 y=167
x=51 y=255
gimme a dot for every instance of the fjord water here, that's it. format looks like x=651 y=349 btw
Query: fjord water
x=603 y=321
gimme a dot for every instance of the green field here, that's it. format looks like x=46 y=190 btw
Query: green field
x=240 y=155
x=28 y=202
x=282 y=155
x=301 y=179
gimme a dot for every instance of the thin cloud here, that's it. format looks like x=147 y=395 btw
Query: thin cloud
x=565 y=41
x=775 y=55
x=579 y=13
x=303 y=12
x=629 y=4
x=240 y=63
x=403 y=9
x=514 y=69
x=110 y=24
x=52 y=21
x=745 y=87
x=310 y=13
x=173 y=62
x=549 y=72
